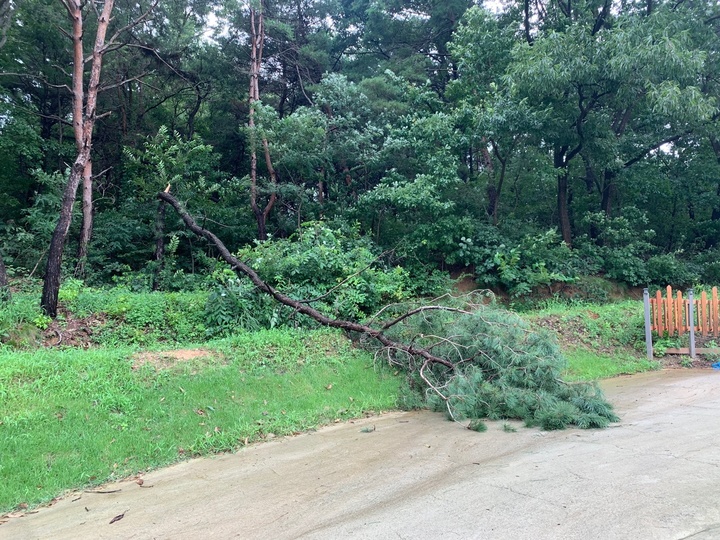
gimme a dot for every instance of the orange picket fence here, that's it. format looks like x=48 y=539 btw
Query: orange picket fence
x=672 y=313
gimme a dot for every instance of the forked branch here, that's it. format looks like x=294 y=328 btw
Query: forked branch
x=243 y=269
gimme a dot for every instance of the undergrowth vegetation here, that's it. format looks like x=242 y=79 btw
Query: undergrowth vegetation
x=598 y=340
x=104 y=391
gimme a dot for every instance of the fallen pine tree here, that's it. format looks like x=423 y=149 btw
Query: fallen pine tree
x=471 y=361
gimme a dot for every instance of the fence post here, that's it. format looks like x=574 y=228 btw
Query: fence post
x=691 y=316
x=648 y=332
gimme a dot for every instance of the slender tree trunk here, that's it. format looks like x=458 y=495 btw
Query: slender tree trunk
x=87 y=220
x=715 y=215
x=257 y=39
x=84 y=115
x=51 y=285
x=5 y=295
x=563 y=188
x=494 y=190
x=608 y=192
x=563 y=207
x=159 y=254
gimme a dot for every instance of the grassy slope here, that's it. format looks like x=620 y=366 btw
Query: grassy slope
x=73 y=418
x=599 y=341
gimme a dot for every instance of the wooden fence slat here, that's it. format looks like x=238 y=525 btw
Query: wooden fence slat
x=671 y=314
x=669 y=311
x=679 y=314
x=653 y=315
x=715 y=315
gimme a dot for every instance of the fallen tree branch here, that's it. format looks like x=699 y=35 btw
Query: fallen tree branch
x=241 y=268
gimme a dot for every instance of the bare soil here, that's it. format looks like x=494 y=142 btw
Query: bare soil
x=168 y=359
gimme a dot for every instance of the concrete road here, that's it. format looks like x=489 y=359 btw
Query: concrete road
x=655 y=476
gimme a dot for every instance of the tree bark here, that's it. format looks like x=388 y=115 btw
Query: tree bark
x=563 y=207
x=87 y=220
x=51 y=285
x=715 y=216
x=159 y=254
x=563 y=180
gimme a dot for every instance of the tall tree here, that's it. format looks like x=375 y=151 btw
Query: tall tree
x=257 y=41
x=84 y=116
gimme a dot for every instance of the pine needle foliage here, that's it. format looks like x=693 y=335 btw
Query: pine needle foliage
x=504 y=369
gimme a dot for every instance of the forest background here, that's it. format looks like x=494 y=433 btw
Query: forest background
x=356 y=154
x=525 y=143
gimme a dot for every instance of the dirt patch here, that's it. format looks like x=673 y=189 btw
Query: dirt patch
x=572 y=333
x=70 y=331
x=168 y=359
x=682 y=361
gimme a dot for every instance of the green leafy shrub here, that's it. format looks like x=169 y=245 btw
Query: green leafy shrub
x=236 y=303
x=334 y=268
x=622 y=244
x=667 y=269
x=538 y=260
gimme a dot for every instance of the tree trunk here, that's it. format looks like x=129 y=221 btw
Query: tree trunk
x=159 y=254
x=257 y=39
x=87 y=220
x=563 y=176
x=563 y=207
x=51 y=285
x=5 y=295
x=84 y=116
x=608 y=192
x=715 y=215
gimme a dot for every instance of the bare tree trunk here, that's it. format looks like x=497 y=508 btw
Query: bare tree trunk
x=5 y=295
x=257 y=38
x=562 y=206
x=84 y=115
x=87 y=220
x=6 y=12
x=560 y=163
x=715 y=144
x=159 y=254
x=51 y=285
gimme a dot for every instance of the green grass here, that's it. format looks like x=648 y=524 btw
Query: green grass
x=74 y=418
x=598 y=340
x=586 y=365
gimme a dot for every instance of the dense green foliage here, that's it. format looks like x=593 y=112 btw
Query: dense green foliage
x=531 y=146
x=527 y=144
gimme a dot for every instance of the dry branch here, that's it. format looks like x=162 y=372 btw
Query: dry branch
x=241 y=268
